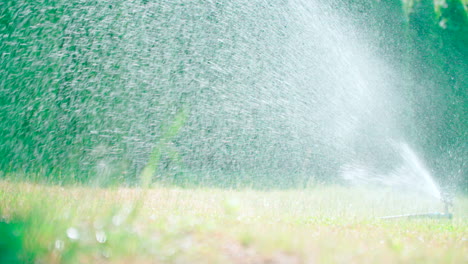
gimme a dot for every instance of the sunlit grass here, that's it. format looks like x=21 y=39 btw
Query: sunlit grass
x=326 y=224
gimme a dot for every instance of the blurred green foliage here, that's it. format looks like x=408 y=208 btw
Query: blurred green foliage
x=10 y=242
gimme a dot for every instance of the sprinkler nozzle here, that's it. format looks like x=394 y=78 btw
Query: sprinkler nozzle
x=448 y=203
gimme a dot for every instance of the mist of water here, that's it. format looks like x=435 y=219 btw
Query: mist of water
x=276 y=93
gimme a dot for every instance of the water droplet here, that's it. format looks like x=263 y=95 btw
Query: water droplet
x=73 y=233
x=59 y=244
x=101 y=236
x=106 y=253
x=118 y=220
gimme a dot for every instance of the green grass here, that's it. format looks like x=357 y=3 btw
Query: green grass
x=329 y=224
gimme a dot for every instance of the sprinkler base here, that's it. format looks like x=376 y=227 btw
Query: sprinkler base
x=420 y=216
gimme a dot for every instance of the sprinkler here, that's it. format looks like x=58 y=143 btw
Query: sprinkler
x=448 y=204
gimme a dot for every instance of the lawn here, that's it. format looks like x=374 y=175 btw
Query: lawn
x=320 y=224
